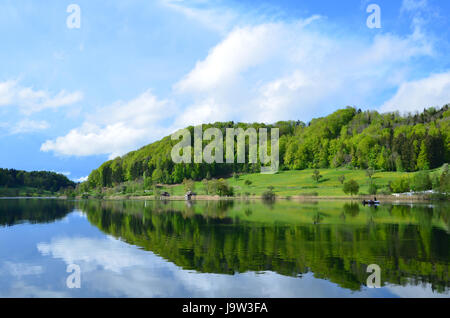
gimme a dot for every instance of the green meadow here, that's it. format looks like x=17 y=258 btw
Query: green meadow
x=301 y=183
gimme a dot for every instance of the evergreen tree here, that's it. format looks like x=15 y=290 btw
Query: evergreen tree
x=422 y=160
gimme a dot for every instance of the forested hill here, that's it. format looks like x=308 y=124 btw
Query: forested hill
x=43 y=180
x=347 y=138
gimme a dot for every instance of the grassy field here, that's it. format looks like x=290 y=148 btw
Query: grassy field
x=292 y=183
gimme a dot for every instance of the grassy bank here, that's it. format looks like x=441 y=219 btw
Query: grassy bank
x=300 y=183
x=294 y=184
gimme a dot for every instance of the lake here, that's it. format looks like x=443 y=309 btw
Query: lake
x=222 y=249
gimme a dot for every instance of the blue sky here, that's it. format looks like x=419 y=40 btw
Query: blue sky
x=138 y=70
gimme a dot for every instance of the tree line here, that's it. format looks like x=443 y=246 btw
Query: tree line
x=44 y=180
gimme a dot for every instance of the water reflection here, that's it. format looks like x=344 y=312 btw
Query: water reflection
x=332 y=240
x=18 y=211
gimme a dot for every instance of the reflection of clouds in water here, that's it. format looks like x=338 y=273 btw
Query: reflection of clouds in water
x=420 y=291
x=79 y=214
x=74 y=214
x=20 y=269
x=108 y=253
x=115 y=268
x=21 y=289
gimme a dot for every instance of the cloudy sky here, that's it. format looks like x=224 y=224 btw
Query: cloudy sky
x=137 y=70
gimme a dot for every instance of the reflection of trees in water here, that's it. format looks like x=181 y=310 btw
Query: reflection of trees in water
x=351 y=209
x=215 y=243
x=18 y=211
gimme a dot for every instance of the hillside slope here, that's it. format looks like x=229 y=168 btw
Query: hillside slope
x=346 y=138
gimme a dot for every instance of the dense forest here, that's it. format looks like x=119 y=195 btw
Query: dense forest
x=347 y=138
x=43 y=180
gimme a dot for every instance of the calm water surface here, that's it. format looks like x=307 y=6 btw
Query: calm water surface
x=222 y=249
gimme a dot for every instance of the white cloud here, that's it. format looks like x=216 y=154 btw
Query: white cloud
x=275 y=71
x=7 y=92
x=26 y=125
x=241 y=50
x=265 y=72
x=229 y=58
x=417 y=95
x=412 y=5
x=205 y=111
x=115 y=129
x=216 y=19
x=64 y=173
x=29 y=100
x=82 y=179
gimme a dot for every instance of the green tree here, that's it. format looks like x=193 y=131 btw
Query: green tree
x=157 y=175
x=444 y=180
x=401 y=185
x=147 y=181
x=373 y=188
x=351 y=187
x=189 y=185
x=223 y=189
x=422 y=160
x=316 y=175
x=421 y=181
x=370 y=172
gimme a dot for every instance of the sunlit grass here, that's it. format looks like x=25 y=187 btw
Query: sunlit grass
x=294 y=183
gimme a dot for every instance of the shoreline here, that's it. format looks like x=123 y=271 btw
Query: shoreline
x=297 y=198
x=381 y=198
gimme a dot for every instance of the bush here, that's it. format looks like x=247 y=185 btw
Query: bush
x=386 y=191
x=400 y=185
x=269 y=195
x=421 y=181
x=351 y=187
x=223 y=189
x=98 y=195
x=247 y=182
